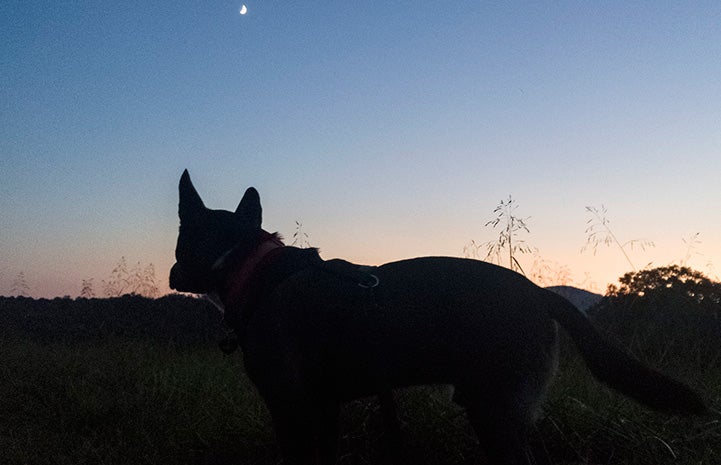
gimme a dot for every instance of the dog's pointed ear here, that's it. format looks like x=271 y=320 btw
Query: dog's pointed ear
x=249 y=208
x=190 y=201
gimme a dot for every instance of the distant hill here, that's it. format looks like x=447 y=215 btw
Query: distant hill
x=579 y=297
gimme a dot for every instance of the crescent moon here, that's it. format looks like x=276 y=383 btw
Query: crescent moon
x=243 y=9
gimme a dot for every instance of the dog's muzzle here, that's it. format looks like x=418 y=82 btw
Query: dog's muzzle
x=184 y=279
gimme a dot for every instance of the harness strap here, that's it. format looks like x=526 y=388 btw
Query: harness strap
x=362 y=275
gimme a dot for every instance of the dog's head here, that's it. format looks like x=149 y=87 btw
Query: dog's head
x=207 y=235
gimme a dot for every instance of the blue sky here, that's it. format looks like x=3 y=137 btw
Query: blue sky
x=390 y=129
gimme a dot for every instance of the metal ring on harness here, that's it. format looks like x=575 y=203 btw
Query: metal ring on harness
x=372 y=282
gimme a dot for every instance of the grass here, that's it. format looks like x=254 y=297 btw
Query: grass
x=588 y=423
x=123 y=400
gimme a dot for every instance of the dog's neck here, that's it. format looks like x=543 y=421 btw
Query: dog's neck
x=235 y=277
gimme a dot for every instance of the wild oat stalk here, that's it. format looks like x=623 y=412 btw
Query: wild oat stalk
x=136 y=280
x=20 y=286
x=598 y=232
x=546 y=272
x=508 y=241
x=86 y=289
x=300 y=237
x=691 y=248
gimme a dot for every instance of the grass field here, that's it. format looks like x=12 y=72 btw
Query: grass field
x=119 y=398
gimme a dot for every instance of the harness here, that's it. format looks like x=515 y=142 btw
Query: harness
x=238 y=287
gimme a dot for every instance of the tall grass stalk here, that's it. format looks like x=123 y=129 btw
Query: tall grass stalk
x=598 y=232
x=508 y=241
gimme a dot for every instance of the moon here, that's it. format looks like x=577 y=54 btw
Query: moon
x=243 y=9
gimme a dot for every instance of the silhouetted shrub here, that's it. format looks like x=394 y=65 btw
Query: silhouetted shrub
x=664 y=312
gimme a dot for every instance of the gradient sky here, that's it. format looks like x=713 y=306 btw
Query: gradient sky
x=390 y=129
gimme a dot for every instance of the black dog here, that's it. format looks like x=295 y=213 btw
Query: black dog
x=317 y=333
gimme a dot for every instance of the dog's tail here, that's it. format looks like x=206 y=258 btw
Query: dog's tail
x=621 y=371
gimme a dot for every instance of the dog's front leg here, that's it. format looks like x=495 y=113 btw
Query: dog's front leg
x=307 y=432
x=392 y=424
x=328 y=433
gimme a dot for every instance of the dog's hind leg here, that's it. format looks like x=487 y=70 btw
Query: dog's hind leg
x=503 y=436
x=327 y=433
x=502 y=424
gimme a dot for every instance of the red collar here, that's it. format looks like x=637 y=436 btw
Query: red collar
x=234 y=287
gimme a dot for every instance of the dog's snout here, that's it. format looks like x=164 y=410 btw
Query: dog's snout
x=187 y=279
x=176 y=277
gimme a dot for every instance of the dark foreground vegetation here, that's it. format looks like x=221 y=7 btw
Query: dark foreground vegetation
x=132 y=380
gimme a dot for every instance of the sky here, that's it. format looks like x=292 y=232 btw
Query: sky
x=388 y=129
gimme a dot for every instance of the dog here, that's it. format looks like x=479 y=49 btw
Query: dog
x=317 y=333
